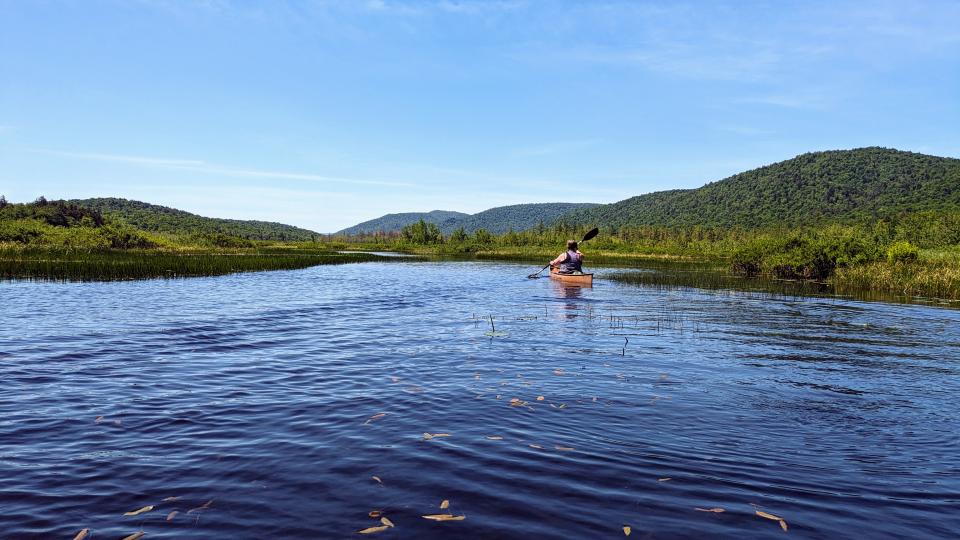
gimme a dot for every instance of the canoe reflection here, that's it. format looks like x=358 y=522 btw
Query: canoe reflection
x=571 y=294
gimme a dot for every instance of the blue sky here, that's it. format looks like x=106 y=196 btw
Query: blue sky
x=326 y=113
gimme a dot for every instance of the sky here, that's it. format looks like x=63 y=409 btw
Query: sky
x=325 y=113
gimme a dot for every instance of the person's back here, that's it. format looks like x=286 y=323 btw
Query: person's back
x=571 y=261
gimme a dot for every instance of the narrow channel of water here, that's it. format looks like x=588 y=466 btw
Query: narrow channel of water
x=266 y=403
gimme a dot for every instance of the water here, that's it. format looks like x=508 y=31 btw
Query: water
x=260 y=392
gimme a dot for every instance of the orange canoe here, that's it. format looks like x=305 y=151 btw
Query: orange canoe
x=585 y=280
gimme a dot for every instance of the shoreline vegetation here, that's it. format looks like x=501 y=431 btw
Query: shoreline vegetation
x=61 y=241
x=917 y=255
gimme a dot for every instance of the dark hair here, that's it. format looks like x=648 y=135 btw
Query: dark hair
x=572 y=244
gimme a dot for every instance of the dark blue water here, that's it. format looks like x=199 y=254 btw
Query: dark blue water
x=255 y=392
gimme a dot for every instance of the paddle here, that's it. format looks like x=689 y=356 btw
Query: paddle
x=590 y=234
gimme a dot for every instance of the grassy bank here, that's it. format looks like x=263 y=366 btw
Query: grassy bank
x=917 y=255
x=58 y=240
x=932 y=275
x=106 y=265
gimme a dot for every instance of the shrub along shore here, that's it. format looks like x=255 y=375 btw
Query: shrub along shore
x=62 y=241
x=915 y=255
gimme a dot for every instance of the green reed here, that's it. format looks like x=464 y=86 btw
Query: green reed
x=108 y=265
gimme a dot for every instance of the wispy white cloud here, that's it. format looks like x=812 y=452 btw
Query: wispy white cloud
x=748 y=131
x=686 y=60
x=479 y=6
x=814 y=99
x=203 y=167
x=557 y=147
x=134 y=160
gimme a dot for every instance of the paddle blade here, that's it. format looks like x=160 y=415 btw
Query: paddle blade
x=593 y=232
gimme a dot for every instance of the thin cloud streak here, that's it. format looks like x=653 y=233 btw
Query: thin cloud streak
x=208 y=168
x=557 y=147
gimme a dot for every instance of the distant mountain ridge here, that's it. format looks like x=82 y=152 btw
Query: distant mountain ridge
x=518 y=217
x=156 y=218
x=834 y=186
x=497 y=220
x=395 y=222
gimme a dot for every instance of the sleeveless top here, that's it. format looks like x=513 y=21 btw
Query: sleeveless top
x=572 y=264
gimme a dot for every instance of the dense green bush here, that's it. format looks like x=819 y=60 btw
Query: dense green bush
x=806 y=254
x=459 y=235
x=422 y=233
x=120 y=237
x=902 y=252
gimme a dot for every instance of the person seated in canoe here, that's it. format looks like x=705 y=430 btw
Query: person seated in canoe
x=570 y=261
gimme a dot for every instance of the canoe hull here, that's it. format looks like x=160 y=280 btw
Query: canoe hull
x=582 y=280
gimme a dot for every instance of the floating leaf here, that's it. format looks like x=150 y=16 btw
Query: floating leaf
x=386 y=521
x=428 y=436
x=667 y=479
x=769 y=516
x=445 y=504
x=394 y=379
x=82 y=534
x=172 y=515
x=203 y=506
x=375 y=513
x=564 y=448
x=515 y=402
x=375 y=417
x=558 y=372
x=627 y=530
x=444 y=517
x=783 y=525
x=377 y=479
x=371 y=530
x=714 y=510
x=537 y=446
x=540 y=398
x=135 y=536
x=143 y=510
x=495 y=438
x=97 y=420
x=171 y=499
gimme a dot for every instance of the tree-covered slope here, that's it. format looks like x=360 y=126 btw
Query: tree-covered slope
x=813 y=188
x=518 y=217
x=154 y=218
x=498 y=220
x=395 y=222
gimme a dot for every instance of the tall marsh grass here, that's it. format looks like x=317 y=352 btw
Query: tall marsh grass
x=926 y=278
x=109 y=265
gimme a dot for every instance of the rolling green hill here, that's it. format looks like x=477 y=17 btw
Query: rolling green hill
x=395 y=222
x=518 y=217
x=497 y=220
x=154 y=218
x=841 y=186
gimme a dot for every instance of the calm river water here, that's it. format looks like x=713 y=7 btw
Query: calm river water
x=266 y=404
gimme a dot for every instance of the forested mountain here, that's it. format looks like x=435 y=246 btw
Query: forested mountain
x=154 y=218
x=518 y=217
x=495 y=220
x=395 y=222
x=814 y=188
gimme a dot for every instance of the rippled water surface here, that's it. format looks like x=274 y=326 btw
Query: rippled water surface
x=279 y=396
